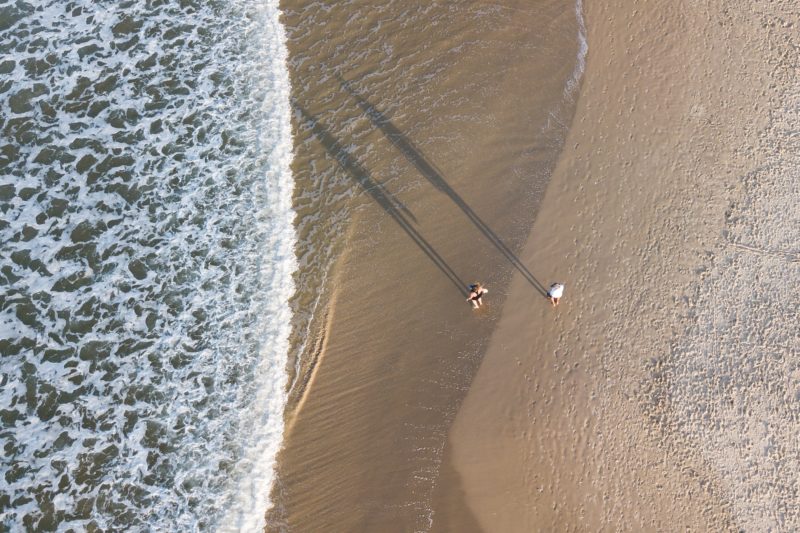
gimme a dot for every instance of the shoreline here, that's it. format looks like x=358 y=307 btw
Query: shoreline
x=441 y=198
x=572 y=421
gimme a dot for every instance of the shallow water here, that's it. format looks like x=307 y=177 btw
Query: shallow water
x=146 y=265
x=425 y=134
x=404 y=88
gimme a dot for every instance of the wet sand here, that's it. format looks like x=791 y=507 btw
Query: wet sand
x=662 y=393
x=436 y=135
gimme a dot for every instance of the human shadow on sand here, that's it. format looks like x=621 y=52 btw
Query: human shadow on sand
x=434 y=176
x=393 y=207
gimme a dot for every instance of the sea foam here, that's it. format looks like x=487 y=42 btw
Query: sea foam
x=583 y=49
x=147 y=262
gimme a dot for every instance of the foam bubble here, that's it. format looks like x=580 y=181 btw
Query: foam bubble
x=583 y=49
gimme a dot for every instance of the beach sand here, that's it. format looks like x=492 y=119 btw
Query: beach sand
x=663 y=392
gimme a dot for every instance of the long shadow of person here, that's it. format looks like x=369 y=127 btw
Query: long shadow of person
x=432 y=174
x=393 y=207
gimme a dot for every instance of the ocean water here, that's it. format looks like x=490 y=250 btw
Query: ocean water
x=146 y=263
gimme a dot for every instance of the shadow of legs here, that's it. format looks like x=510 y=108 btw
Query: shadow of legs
x=382 y=197
x=432 y=174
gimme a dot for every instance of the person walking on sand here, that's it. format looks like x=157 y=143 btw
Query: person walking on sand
x=476 y=292
x=555 y=292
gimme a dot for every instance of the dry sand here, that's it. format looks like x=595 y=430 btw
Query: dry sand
x=663 y=393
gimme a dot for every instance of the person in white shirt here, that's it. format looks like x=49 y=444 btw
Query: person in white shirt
x=555 y=292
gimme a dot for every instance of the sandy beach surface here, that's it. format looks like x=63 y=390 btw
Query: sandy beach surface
x=663 y=393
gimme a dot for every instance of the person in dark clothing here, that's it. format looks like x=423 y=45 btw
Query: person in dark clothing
x=476 y=292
